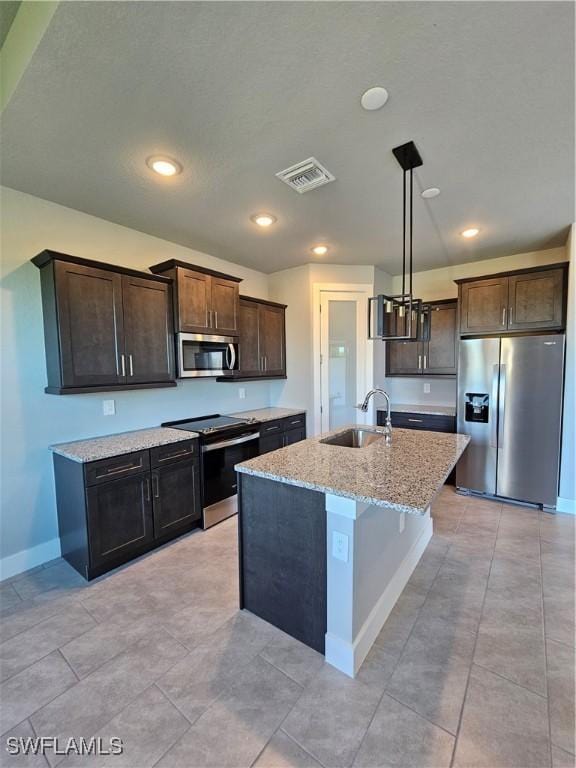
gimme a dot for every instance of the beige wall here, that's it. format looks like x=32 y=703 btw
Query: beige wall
x=439 y=283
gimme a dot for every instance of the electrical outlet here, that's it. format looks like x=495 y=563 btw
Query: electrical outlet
x=242 y=393
x=340 y=546
x=108 y=407
x=426 y=388
x=402 y=521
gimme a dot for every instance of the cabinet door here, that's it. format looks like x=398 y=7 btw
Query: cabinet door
x=294 y=436
x=149 y=342
x=224 y=306
x=176 y=492
x=194 y=300
x=483 y=305
x=536 y=300
x=90 y=321
x=271 y=442
x=249 y=342
x=440 y=352
x=119 y=519
x=272 y=340
x=403 y=358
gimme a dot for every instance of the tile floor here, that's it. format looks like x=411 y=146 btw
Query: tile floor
x=474 y=667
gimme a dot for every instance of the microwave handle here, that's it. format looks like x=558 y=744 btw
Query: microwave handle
x=231 y=356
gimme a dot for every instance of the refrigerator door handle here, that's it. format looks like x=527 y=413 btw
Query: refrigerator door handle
x=493 y=409
x=501 y=406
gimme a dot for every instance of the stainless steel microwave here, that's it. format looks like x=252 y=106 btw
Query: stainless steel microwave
x=201 y=354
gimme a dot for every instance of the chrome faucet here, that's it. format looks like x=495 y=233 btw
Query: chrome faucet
x=364 y=408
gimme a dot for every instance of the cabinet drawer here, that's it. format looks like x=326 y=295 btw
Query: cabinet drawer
x=165 y=454
x=118 y=466
x=430 y=422
x=270 y=427
x=295 y=422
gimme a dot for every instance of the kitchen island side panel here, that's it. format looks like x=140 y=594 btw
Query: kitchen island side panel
x=282 y=532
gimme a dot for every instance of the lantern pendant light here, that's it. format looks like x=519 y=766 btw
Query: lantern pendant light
x=402 y=316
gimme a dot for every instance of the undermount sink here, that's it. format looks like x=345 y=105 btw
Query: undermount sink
x=353 y=438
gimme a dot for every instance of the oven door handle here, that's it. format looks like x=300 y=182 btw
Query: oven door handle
x=229 y=443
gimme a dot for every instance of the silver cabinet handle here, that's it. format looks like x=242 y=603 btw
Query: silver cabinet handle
x=416 y=421
x=424 y=366
x=131 y=365
x=147 y=486
x=215 y=319
x=155 y=486
x=123 y=364
x=265 y=362
x=419 y=362
x=510 y=315
x=503 y=315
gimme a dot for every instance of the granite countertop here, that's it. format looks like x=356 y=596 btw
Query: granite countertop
x=404 y=476
x=433 y=410
x=268 y=414
x=124 y=442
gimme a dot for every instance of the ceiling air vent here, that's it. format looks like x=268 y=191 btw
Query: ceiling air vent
x=306 y=175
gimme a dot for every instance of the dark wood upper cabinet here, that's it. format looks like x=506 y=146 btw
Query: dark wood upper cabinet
x=435 y=357
x=272 y=339
x=84 y=305
x=402 y=358
x=262 y=340
x=536 y=300
x=205 y=301
x=483 y=306
x=249 y=341
x=148 y=339
x=440 y=356
x=523 y=300
x=105 y=327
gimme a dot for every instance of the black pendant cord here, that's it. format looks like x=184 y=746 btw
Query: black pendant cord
x=411 y=223
x=403 y=234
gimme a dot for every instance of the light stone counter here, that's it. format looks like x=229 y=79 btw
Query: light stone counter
x=404 y=476
x=124 y=442
x=432 y=410
x=268 y=414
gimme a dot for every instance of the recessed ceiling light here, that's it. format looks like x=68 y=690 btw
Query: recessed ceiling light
x=165 y=166
x=430 y=192
x=263 y=219
x=320 y=250
x=472 y=232
x=374 y=98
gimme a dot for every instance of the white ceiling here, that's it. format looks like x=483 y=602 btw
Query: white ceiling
x=238 y=91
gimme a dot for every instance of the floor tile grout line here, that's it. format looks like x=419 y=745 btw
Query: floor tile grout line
x=34 y=731
x=302 y=747
x=70 y=667
x=420 y=715
x=509 y=680
x=473 y=654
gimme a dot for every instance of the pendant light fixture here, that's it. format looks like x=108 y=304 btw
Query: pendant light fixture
x=402 y=316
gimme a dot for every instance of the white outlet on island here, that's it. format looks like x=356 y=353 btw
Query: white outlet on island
x=108 y=407
x=340 y=546
x=242 y=393
x=426 y=388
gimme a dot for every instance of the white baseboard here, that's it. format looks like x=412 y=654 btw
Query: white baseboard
x=348 y=657
x=12 y=565
x=566 y=505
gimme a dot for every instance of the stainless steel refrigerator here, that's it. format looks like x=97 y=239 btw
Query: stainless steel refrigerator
x=510 y=403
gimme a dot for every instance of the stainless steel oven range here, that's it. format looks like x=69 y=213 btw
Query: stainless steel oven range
x=224 y=441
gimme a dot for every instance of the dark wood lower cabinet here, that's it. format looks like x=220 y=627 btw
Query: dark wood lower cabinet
x=119 y=519
x=176 y=494
x=281 y=432
x=113 y=510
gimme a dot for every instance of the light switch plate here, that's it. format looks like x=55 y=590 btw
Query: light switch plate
x=426 y=388
x=108 y=407
x=242 y=393
x=340 y=546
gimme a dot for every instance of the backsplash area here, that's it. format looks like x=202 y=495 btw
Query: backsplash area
x=411 y=391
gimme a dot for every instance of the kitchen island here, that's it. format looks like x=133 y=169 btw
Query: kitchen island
x=330 y=534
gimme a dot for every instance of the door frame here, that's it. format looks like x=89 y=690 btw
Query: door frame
x=317 y=290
